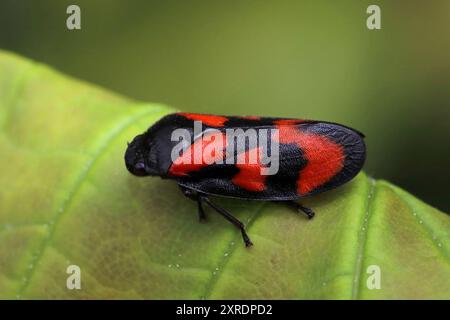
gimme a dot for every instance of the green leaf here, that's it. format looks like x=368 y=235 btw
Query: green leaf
x=67 y=199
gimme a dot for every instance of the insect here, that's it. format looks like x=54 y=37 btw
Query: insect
x=254 y=158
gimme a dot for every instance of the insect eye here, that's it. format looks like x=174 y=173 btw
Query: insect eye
x=138 y=169
x=139 y=166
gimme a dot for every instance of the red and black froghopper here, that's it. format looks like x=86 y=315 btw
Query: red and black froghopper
x=313 y=157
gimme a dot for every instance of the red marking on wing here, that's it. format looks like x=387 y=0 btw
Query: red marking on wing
x=210 y=120
x=287 y=122
x=249 y=176
x=325 y=158
x=195 y=157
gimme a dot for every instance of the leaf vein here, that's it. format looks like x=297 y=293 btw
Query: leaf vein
x=108 y=138
x=421 y=221
x=362 y=241
x=226 y=257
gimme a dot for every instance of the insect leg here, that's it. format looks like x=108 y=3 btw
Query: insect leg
x=230 y=218
x=194 y=195
x=308 y=211
x=201 y=212
x=189 y=193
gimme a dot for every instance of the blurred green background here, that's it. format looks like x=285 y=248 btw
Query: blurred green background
x=306 y=59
